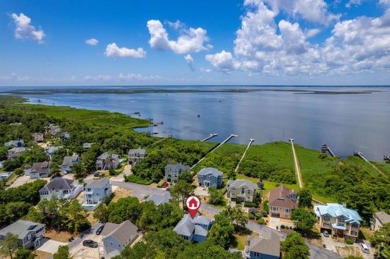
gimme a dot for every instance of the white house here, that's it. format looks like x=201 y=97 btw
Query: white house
x=96 y=190
x=60 y=188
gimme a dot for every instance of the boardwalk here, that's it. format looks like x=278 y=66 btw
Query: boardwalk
x=212 y=135
x=360 y=154
x=243 y=155
x=296 y=163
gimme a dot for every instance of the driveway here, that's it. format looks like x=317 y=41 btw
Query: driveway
x=140 y=191
x=21 y=180
x=76 y=248
x=329 y=243
x=275 y=223
x=366 y=256
x=50 y=246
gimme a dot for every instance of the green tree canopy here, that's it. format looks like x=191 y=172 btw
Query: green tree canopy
x=294 y=247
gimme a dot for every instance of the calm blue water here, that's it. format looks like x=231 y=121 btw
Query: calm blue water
x=346 y=122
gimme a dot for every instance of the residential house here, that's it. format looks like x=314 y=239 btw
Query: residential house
x=265 y=246
x=136 y=155
x=115 y=237
x=5 y=175
x=209 y=176
x=53 y=129
x=38 y=137
x=60 y=188
x=194 y=229
x=338 y=220
x=87 y=145
x=96 y=190
x=29 y=233
x=379 y=219
x=68 y=162
x=172 y=171
x=51 y=150
x=14 y=143
x=65 y=136
x=243 y=189
x=39 y=170
x=107 y=161
x=282 y=201
x=159 y=199
x=14 y=152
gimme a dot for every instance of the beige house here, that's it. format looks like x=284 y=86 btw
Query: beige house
x=243 y=189
x=282 y=201
x=38 y=137
x=379 y=219
x=338 y=220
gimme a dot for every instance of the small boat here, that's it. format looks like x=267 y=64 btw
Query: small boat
x=39 y=100
x=198 y=115
x=155 y=132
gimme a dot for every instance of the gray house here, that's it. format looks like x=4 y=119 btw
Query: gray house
x=136 y=155
x=39 y=170
x=29 y=233
x=244 y=189
x=194 y=229
x=14 y=152
x=266 y=246
x=68 y=162
x=210 y=177
x=97 y=190
x=60 y=188
x=107 y=161
x=159 y=198
x=14 y=143
x=87 y=145
x=53 y=129
x=172 y=171
x=116 y=237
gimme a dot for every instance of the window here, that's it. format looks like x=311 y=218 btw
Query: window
x=242 y=191
x=249 y=192
x=274 y=208
x=287 y=210
x=326 y=218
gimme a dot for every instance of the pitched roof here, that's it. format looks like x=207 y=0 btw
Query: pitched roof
x=58 y=183
x=280 y=197
x=15 y=143
x=42 y=167
x=188 y=225
x=159 y=198
x=268 y=243
x=239 y=183
x=68 y=160
x=336 y=210
x=106 y=155
x=18 y=149
x=98 y=183
x=21 y=228
x=383 y=217
x=87 y=145
x=137 y=151
x=122 y=233
x=210 y=170
x=177 y=167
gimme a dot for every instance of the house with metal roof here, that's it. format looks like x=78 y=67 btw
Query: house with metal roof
x=97 y=190
x=68 y=162
x=115 y=237
x=265 y=246
x=194 y=229
x=136 y=155
x=209 y=176
x=29 y=233
x=60 y=188
x=282 y=201
x=172 y=171
x=379 y=219
x=159 y=199
x=338 y=220
x=241 y=188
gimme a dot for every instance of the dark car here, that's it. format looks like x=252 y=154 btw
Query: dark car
x=90 y=243
x=99 y=230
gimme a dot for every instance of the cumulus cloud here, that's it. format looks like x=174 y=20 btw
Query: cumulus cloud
x=112 y=50
x=24 y=29
x=266 y=46
x=190 y=61
x=92 y=42
x=190 y=40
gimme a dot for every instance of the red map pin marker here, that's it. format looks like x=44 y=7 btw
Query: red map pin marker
x=193 y=204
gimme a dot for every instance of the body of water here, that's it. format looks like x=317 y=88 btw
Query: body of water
x=348 y=119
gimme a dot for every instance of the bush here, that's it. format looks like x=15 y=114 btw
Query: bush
x=134 y=179
x=249 y=204
x=261 y=221
x=349 y=241
x=282 y=226
x=239 y=200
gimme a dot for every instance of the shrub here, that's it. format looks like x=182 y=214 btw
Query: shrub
x=282 y=226
x=249 y=204
x=135 y=179
x=349 y=241
x=260 y=221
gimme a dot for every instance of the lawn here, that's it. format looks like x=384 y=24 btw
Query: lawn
x=240 y=241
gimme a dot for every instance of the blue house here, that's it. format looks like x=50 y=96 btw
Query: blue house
x=209 y=176
x=194 y=229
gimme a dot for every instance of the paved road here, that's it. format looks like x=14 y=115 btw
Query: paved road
x=139 y=190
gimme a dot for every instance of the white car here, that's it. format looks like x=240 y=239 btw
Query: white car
x=364 y=248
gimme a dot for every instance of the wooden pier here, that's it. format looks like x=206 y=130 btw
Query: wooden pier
x=243 y=155
x=325 y=148
x=212 y=135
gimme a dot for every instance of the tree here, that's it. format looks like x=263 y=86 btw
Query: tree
x=221 y=233
x=294 y=247
x=186 y=176
x=305 y=199
x=216 y=197
x=381 y=239
x=303 y=219
x=236 y=215
x=181 y=190
x=124 y=209
x=207 y=250
x=74 y=217
x=9 y=245
x=62 y=253
x=101 y=213
x=24 y=254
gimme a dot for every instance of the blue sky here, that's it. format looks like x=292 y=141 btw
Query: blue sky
x=52 y=42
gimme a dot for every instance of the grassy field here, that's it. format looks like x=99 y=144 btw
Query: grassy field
x=267 y=184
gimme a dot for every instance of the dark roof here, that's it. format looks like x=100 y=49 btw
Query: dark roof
x=122 y=233
x=177 y=167
x=58 y=183
x=209 y=170
x=42 y=167
x=108 y=155
x=267 y=244
x=138 y=151
x=383 y=217
x=159 y=198
x=280 y=197
x=70 y=160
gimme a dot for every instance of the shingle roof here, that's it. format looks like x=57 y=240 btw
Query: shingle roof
x=42 y=167
x=336 y=210
x=58 y=183
x=68 y=160
x=138 y=151
x=177 y=167
x=87 y=145
x=280 y=197
x=14 y=143
x=383 y=217
x=106 y=155
x=98 y=183
x=21 y=228
x=209 y=170
x=122 y=233
x=159 y=198
x=240 y=183
x=267 y=244
x=18 y=149
x=188 y=225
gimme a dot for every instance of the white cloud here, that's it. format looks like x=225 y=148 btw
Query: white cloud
x=190 y=40
x=92 y=42
x=223 y=61
x=384 y=2
x=311 y=33
x=24 y=29
x=112 y=50
x=137 y=77
x=190 y=61
x=353 y=2
x=98 y=78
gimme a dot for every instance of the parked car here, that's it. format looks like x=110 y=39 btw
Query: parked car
x=364 y=248
x=325 y=233
x=90 y=243
x=99 y=230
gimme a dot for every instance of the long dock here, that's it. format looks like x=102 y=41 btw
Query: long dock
x=297 y=168
x=243 y=155
x=360 y=154
x=211 y=151
x=212 y=135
